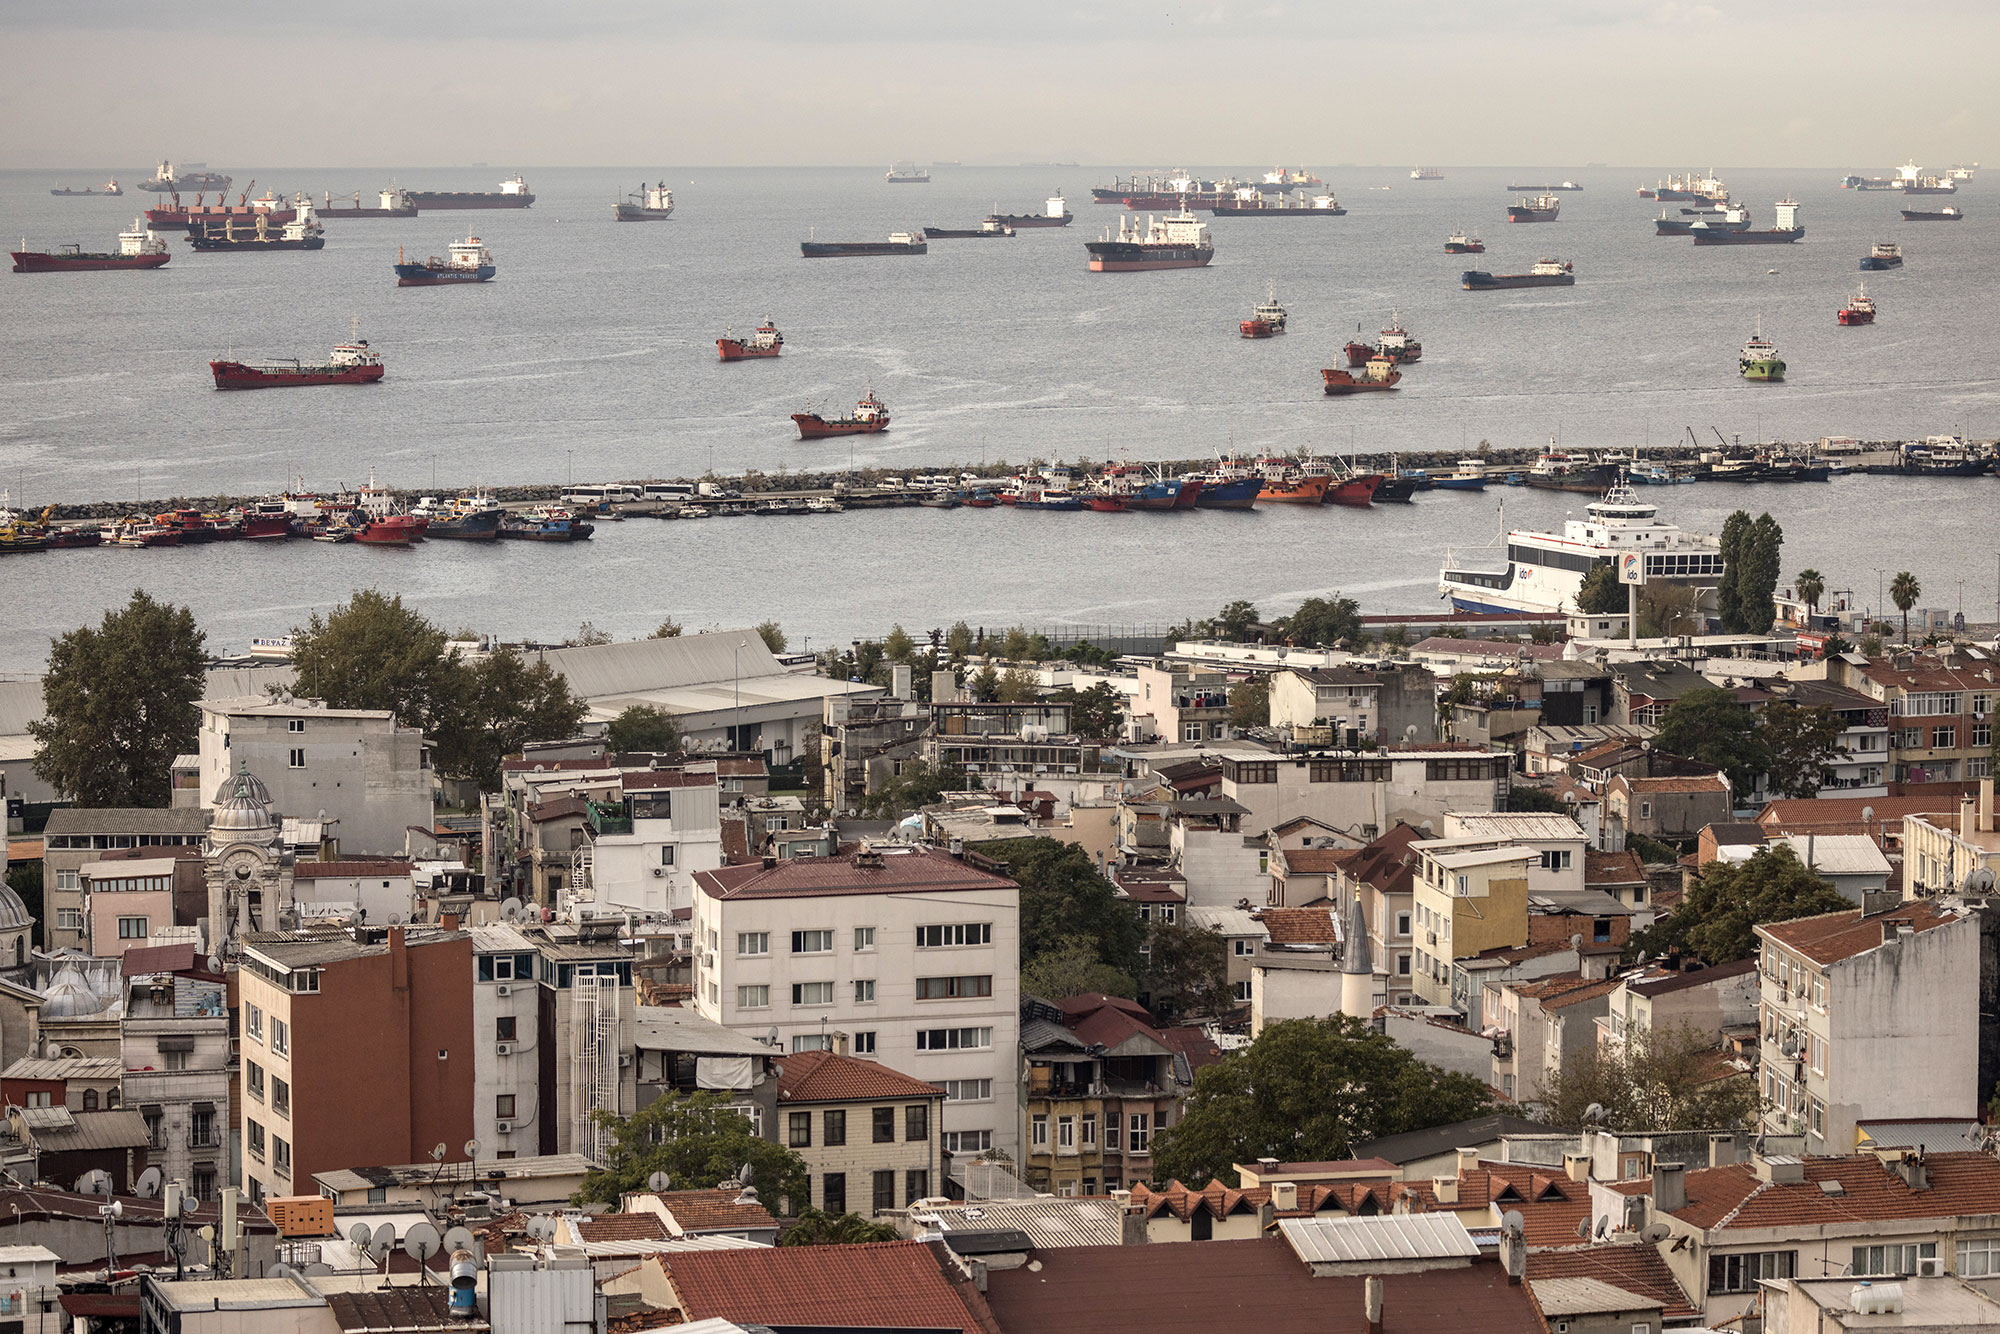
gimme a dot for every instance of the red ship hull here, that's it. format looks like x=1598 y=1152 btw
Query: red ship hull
x=1099 y=265
x=263 y=526
x=177 y=219
x=236 y=375
x=1469 y=248
x=34 y=261
x=1359 y=353
x=1106 y=504
x=1857 y=317
x=395 y=530
x=1190 y=493
x=813 y=427
x=732 y=350
x=1304 y=491
x=1259 y=329
x=1340 y=382
x=1358 y=492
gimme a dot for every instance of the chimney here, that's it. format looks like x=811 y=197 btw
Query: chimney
x=899 y=681
x=1576 y=1166
x=1893 y=928
x=1986 y=806
x=1721 y=1150
x=1371 y=1303
x=448 y=921
x=944 y=687
x=1911 y=1169
x=840 y=1044
x=1446 y=1189
x=1285 y=1195
x=1468 y=1161
x=1669 y=1187
x=1132 y=1225
x=1968 y=817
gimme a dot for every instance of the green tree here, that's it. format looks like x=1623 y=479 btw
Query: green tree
x=504 y=703
x=815 y=1227
x=120 y=700
x=1236 y=620
x=1187 y=971
x=699 y=1143
x=668 y=629
x=1716 y=917
x=1904 y=590
x=1810 y=585
x=1250 y=704
x=1707 y=724
x=958 y=639
x=1735 y=555
x=1602 y=594
x=773 y=637
x=1532 y=797
x=587 y=636
x=1018 y=686
x=1072 y=968
x=1765 y=567
x=1798 y=745
x=897 y=646
x=1656 y=1079
x=1324 y=622
x=985 y=684
x=920 y=784
x=1097 y=713
x=1063 y=896
x=25 y=879
x=372 y=652
x=640 y=728
x=1308 y=1090
x=1668 y=609
x=1017 y=645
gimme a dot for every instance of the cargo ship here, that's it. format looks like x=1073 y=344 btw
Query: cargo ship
x=652 y=203
x=349 y=363
x=1426 y=174
x=1688 y=186
x=1458 y=243
x=1759 y=360
x=1545 y=189
x=468 y=518
x=1948 y=213
x=169 y=181
x=1176 y=241
x=870 y=416
x=1254 y=204
x=1787 y=231
x=303 y=232
x=140 y=248
x=178 y=215
x=1268 y=319
x=390 y=203
x=1279 y=180
x=991 y=226
x=1729 y=220
x=110 y=188
x=1379 y=373
x=907 y=173
x=467 y=261
x=513 y=193
x=1883 y=255
x=1055 y=213
x=899 y=243
x=1542 y=208
x=766 y=342
x=1171 y=186
x=1545 y=273
x=1860 y=308
x=1394 y=343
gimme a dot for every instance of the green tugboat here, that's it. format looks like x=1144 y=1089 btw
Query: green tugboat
x=1760 y=360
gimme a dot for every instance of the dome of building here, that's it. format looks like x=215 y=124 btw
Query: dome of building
x=242 y=806
x=69 y=996
x=13 y=913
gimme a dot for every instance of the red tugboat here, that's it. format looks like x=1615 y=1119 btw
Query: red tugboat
x=391 y=530
x=1357 y=492
x=1268 y=319
x=1104 y=502
x=1379 y=373
x=1860 y=308
x=870 y=416
x=349 y=363
x=1458 y=243
x=140 y=248
x=1394 y=343
x=766 y=342
x=1286 y=482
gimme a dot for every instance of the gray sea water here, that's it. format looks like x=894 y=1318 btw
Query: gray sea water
x=592 y=358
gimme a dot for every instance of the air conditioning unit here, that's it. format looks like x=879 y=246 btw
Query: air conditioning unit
x=624 y=1059
x=504 y=989
x=504 y=1127
x=659 y=872
x=504 y=1048
x=1930 y=1266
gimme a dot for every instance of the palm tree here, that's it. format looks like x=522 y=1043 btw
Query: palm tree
x=1811 y=584
x=1904 y=590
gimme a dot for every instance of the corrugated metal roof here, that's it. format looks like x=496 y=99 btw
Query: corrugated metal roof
x=669 y=1028
x=65 y=1067
x=1840 y=854
x=654 y=664
x=1047 y=1221
x=1586 y=1296
x=1513 y=824
x=1331 y=1241
x=122 y=1128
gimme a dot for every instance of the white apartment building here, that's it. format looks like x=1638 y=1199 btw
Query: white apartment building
x=506 y=1052
x=1868 y=1018
x=1360 y=795
x=360 y=766
x=1556 y=840
x=906 y=956
x=643 y=858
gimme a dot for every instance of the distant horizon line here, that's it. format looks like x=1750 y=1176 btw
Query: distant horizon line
x=956 y=166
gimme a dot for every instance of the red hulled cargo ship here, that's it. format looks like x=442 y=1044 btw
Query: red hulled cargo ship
x=176 y=215
x=1379 y=373
x=766 y=342
x=870 y=416
x=349 y=363
x=139 y=248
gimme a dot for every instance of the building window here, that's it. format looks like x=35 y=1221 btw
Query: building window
x=812 y=942
x=1645 y=810
x=1243 y=948
x=833 y=1192
x=131 y=928
x=295 y=724
x=1943 y=738
x=812 y=993
x=864 y=1043
x=1089 y=1132
x=864 y=990
x=954 y=1039
x=281 y=1036
x=885 y=1189
x=203 y=1186
x=953 y=988
x=69 y=919
x=753 y=942
x=1556 y=859
x=256 y=1139
x=916 y=1184
x=1741 y=1273
x=281 y=1096
x=812 y=1042
x=882 y=1125
x=1141 y=1128
x=90 y=1100
x=801 y=1130
x=504 y=1028
x=917 y=1122
x=1978 y=1257
x=836 y=1127
x=967 y=1090
x=952 y=934
x=1066 y=1134
x=201 y=1130
x=1038 y=1128
x=1402 y=965
x=281 y=1155
x=503 y=1106
x=666 y=854
x=255 y=1075
x=1982 y=734
x=1402 y=924
x=753 y=998
x=967 y=1141
x=1892 y=1260
x=298 y=757
x=864 y=939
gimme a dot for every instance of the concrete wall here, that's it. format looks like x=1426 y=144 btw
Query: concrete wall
x=1904 y=1035
x=359 y=767
x=1221 y=869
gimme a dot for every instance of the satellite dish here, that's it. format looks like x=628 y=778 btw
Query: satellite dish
x=207 y=1232
x=1868 y=815
x=361 y=1236
x=97 y=1181
x=395 y=919
x=281 y=1271
x=215 y=963
x=472 y=1148
x=1595 y=1114
x=316 y=1270
x=421 y=1242
x=149 y=1183
x=1582 y=1228
x=1789 y=1047
x=1655 y=1233
x=459 y=1239
x=384 y=1239
x=658 y=1181
x=1512 y=1224
x=437 y=1154
x=1979 y=881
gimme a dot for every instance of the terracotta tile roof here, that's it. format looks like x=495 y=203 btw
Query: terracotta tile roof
x=1792 y=815
x=822 y=1076
x=1387 y=865
x=1562 y=785
x=544 y=811
x=1299 y=926
x=1925 y=674
x=157 y=959
x=1577 y=995
x=1672 y=786
x=903 y=871
x=621 y=1227
x=1961 y=1185
x=742 y=768
x=1197 y=1046
x=736 y=842
x=1317 y=861
x=714 y=1211
x=1842 y=935
x=1612 y=868
x=348 y=869
x=1640 y=1269
x=897 y=1284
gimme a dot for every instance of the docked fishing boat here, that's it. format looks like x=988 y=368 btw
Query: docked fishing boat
x=140 y=248
x=1103 y=502
x=1882 y=255
x=389 y=530
x=1349 y=486
x=870 y=416
x=1759 y=361
x=766 y=342
x=468 y=518
x=1469 y=475
x=1860 y=309
x=1559 y=470
x=467 y=261
x=1268 y=319
x=652 y=203
x=1287 y=482
x=1458 y=243
x=548 y=523
x=1378 y=373
x=1229 y=485
x=138 y=531
x=349 y=363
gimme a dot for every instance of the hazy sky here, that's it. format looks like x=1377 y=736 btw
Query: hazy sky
x=1839 y=83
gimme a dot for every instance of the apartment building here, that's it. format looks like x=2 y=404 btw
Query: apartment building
x=1466 y=900
x=1942 y=848
x=910 y=953
x=1185 y=702
x=1868 y=1018
x=1359 y=794
x=640 y=851
x=1098 y=1083
x=1861 y=766
x=1383 y=876
x=1940 y=710
x=869 y=1135
x=1683 y=995
x=1357 y=705
x=177 y=1064
x=507 y=1054
x=1011 y=747
x=358 y=766
x=75 y=836
x=357 y=1049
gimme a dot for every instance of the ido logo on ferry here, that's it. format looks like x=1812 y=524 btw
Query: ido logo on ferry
x=1631 y=567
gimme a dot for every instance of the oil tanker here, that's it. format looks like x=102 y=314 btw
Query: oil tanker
x=140 y=248
x=349 y=363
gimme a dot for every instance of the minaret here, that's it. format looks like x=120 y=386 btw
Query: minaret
x=1357 y=970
